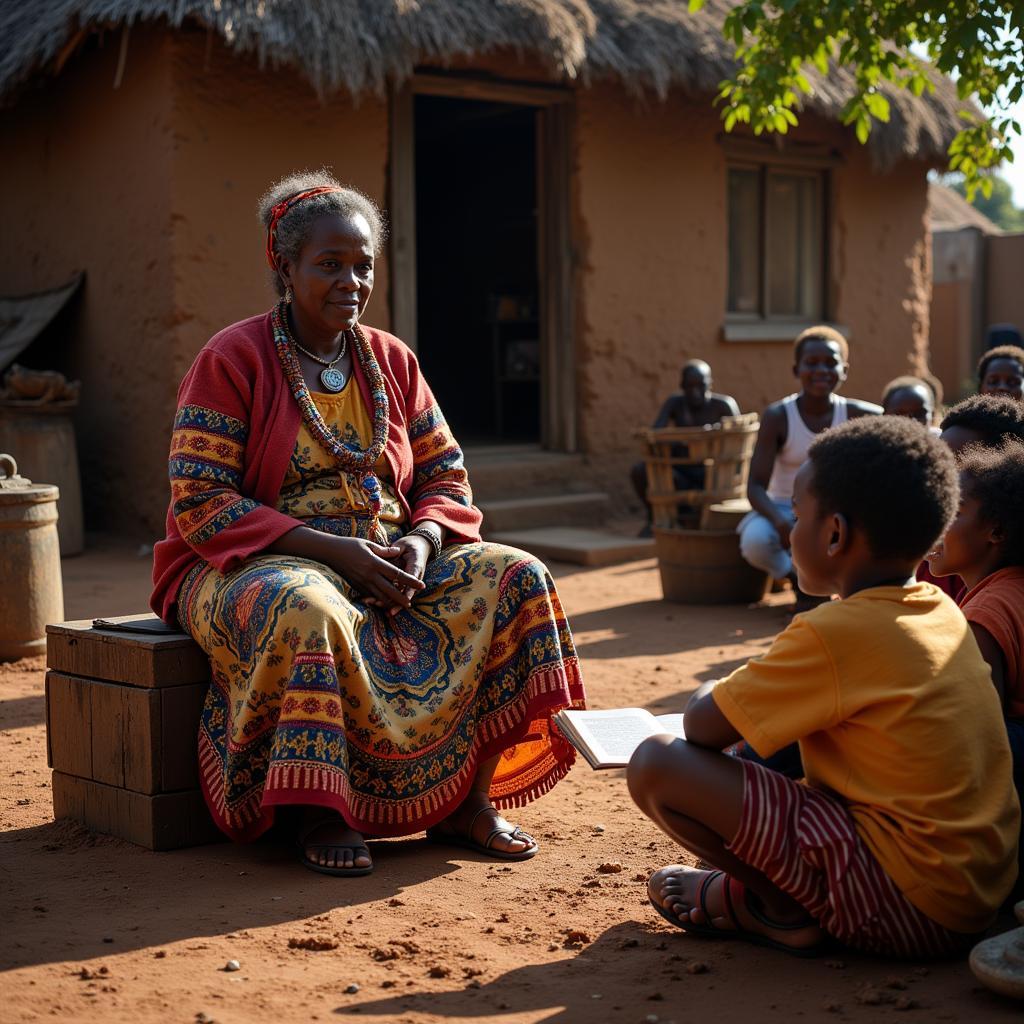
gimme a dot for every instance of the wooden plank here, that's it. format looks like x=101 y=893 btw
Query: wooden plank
x=556 y=268
x=144 y=660
x=68 y=725
x=180 y=707
x=108 y=732
x=531 y=94
x=402 y=213
x=167 y=821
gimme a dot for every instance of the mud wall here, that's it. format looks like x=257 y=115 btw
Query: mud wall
x=651 y=220
x=86 y=186
x=152 y=188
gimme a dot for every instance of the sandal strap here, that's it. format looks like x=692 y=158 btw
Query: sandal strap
x=743 y=895
x=515 y=833
x=702 y=893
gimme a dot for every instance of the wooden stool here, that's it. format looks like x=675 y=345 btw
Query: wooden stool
x=122 y=718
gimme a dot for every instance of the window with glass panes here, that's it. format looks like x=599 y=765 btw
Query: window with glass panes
x=776 y=243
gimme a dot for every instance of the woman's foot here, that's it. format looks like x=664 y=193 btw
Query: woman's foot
x=476 y=824
x=330 y=846
x=699 y=900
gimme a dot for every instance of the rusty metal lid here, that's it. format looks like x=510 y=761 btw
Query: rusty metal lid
x=18 y=489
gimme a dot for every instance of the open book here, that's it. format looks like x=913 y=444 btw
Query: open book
x=607 y=739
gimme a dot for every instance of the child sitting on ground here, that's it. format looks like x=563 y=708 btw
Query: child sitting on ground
x=914 y=397
x=903 y=840
x=1001 y=369
x=820 y=358
x=984 y=545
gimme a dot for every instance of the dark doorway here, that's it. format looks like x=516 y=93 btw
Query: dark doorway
x=478 y=324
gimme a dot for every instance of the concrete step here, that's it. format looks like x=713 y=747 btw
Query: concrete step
x=578 y=545
x=510 y=471
x=587 y=509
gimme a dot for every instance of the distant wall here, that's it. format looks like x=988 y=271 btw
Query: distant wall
x=1004 y=291
x=958 y=308
x=86 y=185
x=977 y=283
x=651 y=216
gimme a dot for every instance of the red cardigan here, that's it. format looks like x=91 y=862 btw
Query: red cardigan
x=234 y=432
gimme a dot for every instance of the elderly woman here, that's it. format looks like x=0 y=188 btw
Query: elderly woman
x=373 y=662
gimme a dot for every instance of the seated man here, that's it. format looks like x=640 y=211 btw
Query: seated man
x=696 y=405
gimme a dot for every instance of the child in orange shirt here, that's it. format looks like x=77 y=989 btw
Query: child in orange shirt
x=903 y=839
x=984 y=545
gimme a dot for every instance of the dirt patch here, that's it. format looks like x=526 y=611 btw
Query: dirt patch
x=98 y=930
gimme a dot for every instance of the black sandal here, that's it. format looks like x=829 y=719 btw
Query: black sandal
x=325 y=869
x=467 y=841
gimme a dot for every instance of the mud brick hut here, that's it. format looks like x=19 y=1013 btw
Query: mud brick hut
x=568 y=219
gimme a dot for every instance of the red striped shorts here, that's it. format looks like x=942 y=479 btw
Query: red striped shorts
x=805 y=841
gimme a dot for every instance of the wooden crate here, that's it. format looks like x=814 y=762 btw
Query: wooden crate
x=122 y=715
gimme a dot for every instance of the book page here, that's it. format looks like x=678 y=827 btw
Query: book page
x=610 y=737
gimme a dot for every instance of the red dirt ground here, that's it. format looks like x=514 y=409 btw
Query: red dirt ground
x=97 y=930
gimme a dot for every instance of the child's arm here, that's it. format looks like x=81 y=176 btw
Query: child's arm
x=990 y=651
x=705 y=725
x=770 y=437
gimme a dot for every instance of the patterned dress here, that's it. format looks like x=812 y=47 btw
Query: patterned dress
x=319 y=699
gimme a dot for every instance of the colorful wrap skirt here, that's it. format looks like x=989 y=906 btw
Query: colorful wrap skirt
x=317 y=698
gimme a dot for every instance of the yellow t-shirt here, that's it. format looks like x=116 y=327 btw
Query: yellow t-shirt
x=895 y=711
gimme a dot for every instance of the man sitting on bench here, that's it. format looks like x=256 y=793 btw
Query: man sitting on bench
x=695 y=405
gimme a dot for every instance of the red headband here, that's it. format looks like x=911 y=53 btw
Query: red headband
x=283 y=207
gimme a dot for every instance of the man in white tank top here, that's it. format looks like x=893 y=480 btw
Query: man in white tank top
x=820 y=360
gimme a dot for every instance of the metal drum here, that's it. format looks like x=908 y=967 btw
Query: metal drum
x=31 y=592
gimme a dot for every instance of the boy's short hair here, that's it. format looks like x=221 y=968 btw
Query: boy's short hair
x=890 y=477
x=820 y=332
x=992 y=416
x=999 y=352
x=995 y=476
x=929 y=383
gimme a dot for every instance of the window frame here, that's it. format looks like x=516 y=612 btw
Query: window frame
x=806 y=160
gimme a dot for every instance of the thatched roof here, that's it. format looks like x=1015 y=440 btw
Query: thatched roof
x=359 y=45
x=949 y=211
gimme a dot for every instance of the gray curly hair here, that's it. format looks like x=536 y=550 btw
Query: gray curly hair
x=294 y=228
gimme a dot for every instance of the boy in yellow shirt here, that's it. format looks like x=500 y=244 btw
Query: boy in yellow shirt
x=902 y=839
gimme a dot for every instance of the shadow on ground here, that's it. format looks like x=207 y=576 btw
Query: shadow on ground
x=127 y=898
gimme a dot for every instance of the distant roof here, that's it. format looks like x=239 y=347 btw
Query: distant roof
x=362 y=45
x=949 y=211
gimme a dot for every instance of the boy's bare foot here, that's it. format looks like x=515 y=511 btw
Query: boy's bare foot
x=329 y=845
x=698 y=900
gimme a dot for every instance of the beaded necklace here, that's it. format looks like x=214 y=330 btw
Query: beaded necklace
x=350 y=459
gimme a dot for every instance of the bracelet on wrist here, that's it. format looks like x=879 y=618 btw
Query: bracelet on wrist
x=429 y=536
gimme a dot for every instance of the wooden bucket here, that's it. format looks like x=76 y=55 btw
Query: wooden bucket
x=705 y=567
x=31 y=592
x=726 y=515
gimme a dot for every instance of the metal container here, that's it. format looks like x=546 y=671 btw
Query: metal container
x=31 y=592
x=43 y=435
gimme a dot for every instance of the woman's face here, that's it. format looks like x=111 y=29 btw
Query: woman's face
x=1004 y=377
x=332 y=279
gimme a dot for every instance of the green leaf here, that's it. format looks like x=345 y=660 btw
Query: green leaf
x=863 y=129
x=696 y=5
x=878 y=106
